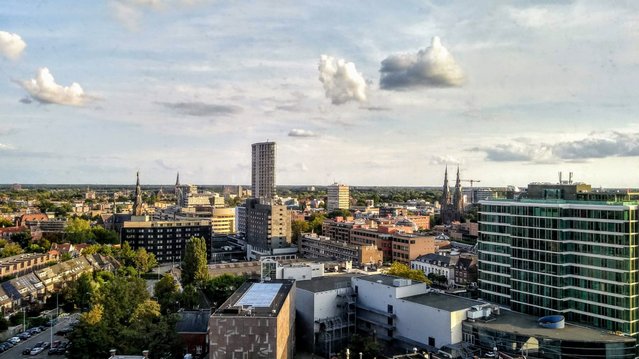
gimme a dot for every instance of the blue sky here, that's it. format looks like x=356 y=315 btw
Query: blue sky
x=513 y=93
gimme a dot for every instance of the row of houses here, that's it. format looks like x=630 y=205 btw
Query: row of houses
x=42 y=282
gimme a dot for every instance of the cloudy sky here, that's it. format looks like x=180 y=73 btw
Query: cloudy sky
x=362 y=92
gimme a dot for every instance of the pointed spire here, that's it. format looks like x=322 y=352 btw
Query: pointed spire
x=137 y=201
x=177 y=181
x=458 y=200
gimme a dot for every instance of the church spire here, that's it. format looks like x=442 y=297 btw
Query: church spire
x=445 y=200
x=458 y=205
x=177 y=181
x=137 y=201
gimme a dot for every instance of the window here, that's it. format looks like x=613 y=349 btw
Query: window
x=390 y=309
x=431 y=341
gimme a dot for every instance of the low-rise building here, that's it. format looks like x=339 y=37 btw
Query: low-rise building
x=25 y=263
x=192 y=328
x=257 y=321
x=437 y=264
x=407 y=247
x=314 y=246
x=24 y=289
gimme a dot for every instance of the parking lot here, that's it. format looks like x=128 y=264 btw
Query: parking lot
x=44 y=336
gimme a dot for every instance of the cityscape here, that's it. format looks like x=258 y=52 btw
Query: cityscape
x=209 y=180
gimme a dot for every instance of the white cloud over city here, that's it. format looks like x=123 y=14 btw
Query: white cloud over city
x=342 y=82
x=44 y=89
x=11 y=45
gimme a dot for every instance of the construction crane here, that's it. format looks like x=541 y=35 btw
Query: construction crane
x=471 y=181
x=472 y=193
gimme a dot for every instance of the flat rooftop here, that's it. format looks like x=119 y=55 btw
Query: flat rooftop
x=265 y=299
x=447 y=302
x=526 y=325
x=327 y=282
x=384 y=279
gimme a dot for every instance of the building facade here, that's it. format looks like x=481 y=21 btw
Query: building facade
x=314 y=246
x=257 y=321
x=337 y=197
x=223 y=220
x=268 y=226
x=263 y=170
x=558 y=251
x=165 y=239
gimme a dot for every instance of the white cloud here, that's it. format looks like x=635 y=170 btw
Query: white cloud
x=44 y=89
x=296 y=132
x=430 y=67
x=342 y=82
x=130 y=11
x=11 y=45
x=4 y=147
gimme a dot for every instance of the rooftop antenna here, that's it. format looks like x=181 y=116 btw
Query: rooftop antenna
x=560 y=177
x=570 y=177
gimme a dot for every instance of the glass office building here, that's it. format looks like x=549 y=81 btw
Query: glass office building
x=563 y=249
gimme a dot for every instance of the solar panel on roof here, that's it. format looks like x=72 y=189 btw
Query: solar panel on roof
x=260 y=295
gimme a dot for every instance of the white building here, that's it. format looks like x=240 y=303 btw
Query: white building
x=409 y=314
x=438 y=264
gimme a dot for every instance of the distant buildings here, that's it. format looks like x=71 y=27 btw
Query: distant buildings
x=263 y=170
x=257 y=321
x=563 y=249
x=223 y=220
x=338 y=197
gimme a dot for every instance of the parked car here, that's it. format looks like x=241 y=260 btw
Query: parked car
x=56 y=343
x=14 y=340
x=36 y=351
x=63 y=332
x=26 y=351
x=45 y=345
x=24 y=336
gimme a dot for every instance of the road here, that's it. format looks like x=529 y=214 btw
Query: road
x=45 y=336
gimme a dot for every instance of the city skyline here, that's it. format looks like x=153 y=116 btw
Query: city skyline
x=364 y=95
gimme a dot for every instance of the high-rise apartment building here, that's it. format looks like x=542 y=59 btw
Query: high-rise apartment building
x=268 y=226
x=338 y=197
x=263 y=170
x=563 y=249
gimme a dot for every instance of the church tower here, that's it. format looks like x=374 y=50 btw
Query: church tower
x=137 y=201
x=458 y=199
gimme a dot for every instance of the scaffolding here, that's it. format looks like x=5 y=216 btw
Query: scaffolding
x=335 y=332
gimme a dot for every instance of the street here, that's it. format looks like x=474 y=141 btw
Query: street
x=45 y=336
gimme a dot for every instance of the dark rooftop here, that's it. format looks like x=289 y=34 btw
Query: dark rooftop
x=326 y=283
x=526 y=325
x=447 y=302
x=259 y=292
x=193 y=321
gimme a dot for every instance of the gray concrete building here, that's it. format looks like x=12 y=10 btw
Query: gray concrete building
x=263 y=170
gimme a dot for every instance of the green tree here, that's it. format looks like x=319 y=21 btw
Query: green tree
x=4 y=323
x=22 y=238
x=144 y=261
x=366 y=345
x=124 y=318
x=103 y=236
x=194 y=264
x=5 y=222
x=218 y=289
x=79 y=231
x=298 y=227
x=11 y=249
x=402 y=270
x=167 y=292
x=339 y=213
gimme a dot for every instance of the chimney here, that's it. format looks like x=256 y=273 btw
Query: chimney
x=145 y=354
x=560 y=177
x=570 y=178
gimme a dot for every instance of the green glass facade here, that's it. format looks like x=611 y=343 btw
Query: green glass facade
x=575 y=258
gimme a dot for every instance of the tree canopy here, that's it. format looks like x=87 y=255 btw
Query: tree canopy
x=123 y=317
x=194 y=264
x=404 y=271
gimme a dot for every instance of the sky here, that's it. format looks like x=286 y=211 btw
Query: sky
x=358 y=92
